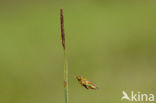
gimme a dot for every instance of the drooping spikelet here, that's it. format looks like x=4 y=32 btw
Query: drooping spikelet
x=87 y=84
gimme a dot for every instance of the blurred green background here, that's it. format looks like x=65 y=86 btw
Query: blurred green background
x=111 y=43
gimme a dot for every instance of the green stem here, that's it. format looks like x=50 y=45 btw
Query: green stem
x=65 y=77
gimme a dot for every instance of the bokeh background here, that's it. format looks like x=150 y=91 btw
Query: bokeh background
x=111 y=43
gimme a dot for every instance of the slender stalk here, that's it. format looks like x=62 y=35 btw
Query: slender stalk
x=65 y=58
x=65 y=77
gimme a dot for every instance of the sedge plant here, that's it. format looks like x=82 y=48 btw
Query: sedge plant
x=83 y=81
x=65 y=58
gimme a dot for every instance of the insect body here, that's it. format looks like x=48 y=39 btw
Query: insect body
x=87 y=84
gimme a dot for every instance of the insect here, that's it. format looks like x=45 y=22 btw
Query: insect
x=87 y=84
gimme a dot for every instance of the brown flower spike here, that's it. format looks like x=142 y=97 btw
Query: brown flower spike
x=62 y=29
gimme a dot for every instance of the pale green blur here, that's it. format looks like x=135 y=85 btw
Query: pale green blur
x=112 y=44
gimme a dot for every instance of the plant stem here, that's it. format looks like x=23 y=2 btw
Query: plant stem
x=65 y=58
x=65 y=77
